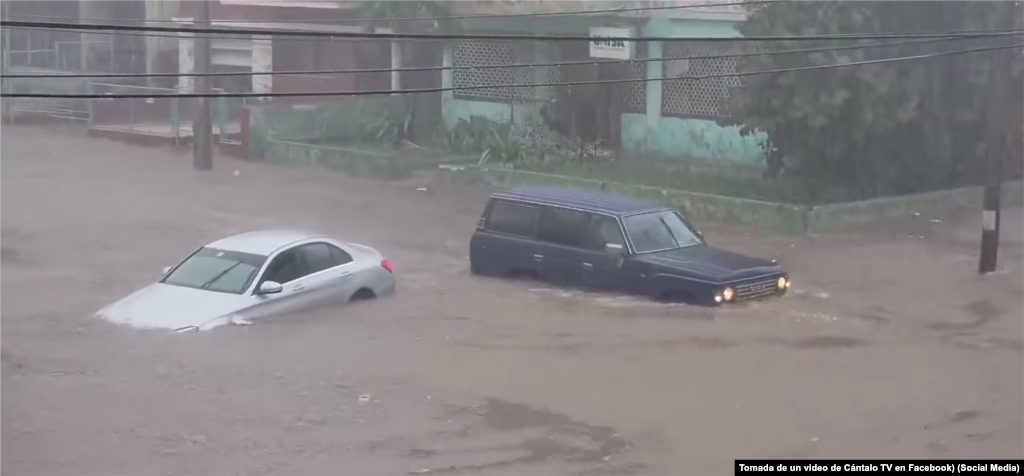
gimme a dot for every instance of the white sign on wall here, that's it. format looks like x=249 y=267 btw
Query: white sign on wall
x=608 y=42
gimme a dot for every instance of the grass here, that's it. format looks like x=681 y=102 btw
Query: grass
x=729 y=179
x=711 y=177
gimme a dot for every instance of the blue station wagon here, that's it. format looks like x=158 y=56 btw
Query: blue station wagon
x=608 y=242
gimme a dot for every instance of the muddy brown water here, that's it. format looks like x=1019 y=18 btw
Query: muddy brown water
x=888 y=346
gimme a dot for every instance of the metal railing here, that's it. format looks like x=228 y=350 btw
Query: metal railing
x=156 y=116
x=172 y=116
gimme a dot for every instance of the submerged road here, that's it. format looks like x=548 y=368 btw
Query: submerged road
x=888 y=346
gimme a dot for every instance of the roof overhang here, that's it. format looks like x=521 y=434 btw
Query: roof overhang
x=321 y=4
x=289 y=26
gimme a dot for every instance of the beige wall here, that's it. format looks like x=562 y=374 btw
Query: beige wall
x=159 y=10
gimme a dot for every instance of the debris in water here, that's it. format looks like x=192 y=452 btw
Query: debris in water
x=421 y=189
x=935 y=221
x=364 y=398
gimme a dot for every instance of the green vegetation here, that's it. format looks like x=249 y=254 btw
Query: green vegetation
x=886 y=129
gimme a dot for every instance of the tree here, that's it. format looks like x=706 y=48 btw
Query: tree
x=384 y=9
x=887 y=128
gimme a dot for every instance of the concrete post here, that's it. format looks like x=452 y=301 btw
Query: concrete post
x=262 y=61
x=186 y=60
x=654 y=72
x=396 y=62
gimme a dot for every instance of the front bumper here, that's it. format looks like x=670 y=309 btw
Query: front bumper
x=753 y=289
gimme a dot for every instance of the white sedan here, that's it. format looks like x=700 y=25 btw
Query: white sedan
x=254 y=275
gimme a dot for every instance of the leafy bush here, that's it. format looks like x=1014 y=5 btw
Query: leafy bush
x=493 y=140
x=389 y=127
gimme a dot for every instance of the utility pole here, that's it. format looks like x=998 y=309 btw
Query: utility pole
x=997 y=128
x=6 y=61
x=202 y=128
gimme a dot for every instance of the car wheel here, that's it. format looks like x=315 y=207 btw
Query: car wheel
x=363 y=294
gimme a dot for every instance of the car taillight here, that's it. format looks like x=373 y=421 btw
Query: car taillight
x=387 y=265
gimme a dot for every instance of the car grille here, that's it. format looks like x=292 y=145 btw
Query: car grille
x=755 y=289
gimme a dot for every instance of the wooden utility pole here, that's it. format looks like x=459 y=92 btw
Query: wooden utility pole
x=997 y=133
x=202 y=128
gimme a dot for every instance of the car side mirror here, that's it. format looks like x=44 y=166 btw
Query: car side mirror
x=167 y=269
x=613 y=251
x=269 y=287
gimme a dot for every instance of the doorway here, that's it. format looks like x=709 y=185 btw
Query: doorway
x=591 y=112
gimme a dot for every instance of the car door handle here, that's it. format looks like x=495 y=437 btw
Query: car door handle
x=538 y=257
x=298 y=288
x=588 y=265
x=344 y=275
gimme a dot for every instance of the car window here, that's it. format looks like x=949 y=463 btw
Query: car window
x=658 y=231
x=512 y=218
x=318 y=257
x=604 y=230
x=339 y=255
x=286 y=267
x=564 y=227
x=216 y=270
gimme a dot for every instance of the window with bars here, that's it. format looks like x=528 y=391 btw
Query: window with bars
x=634 y=94
x=696 y=98
x=491 y=82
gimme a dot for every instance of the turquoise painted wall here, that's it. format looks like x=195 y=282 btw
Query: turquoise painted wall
x=641 y=133
x=519 y=112
x=685 y=138
x=689 y=138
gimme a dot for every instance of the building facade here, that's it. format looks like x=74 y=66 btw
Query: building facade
x=269 y=53
x=645 y=113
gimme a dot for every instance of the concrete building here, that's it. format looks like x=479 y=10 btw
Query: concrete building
x=665 y=118
x=281 y=53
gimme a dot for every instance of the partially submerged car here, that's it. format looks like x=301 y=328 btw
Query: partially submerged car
x=609 y=242
x=255 y=275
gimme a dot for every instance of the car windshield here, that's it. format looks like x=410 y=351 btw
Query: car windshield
x=658 y=231
x=217 y=270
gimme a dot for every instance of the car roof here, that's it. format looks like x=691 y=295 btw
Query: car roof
x=262 y=242
x=580 y=199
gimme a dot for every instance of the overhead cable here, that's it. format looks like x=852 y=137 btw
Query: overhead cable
x=502 y=86
x=485 y=37
x=475 y=67
x=473 y=16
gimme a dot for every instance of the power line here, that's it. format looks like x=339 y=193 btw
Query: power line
x=421 y=36
x=451 y=17
x=501 y=86
x=177 y=36
x=474 y=67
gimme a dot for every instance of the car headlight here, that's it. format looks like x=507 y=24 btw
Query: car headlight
x=727 y=294
x=783 y=283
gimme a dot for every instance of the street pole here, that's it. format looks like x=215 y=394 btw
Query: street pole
x=995 y=150
x=202 y=128
x=6 y=62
